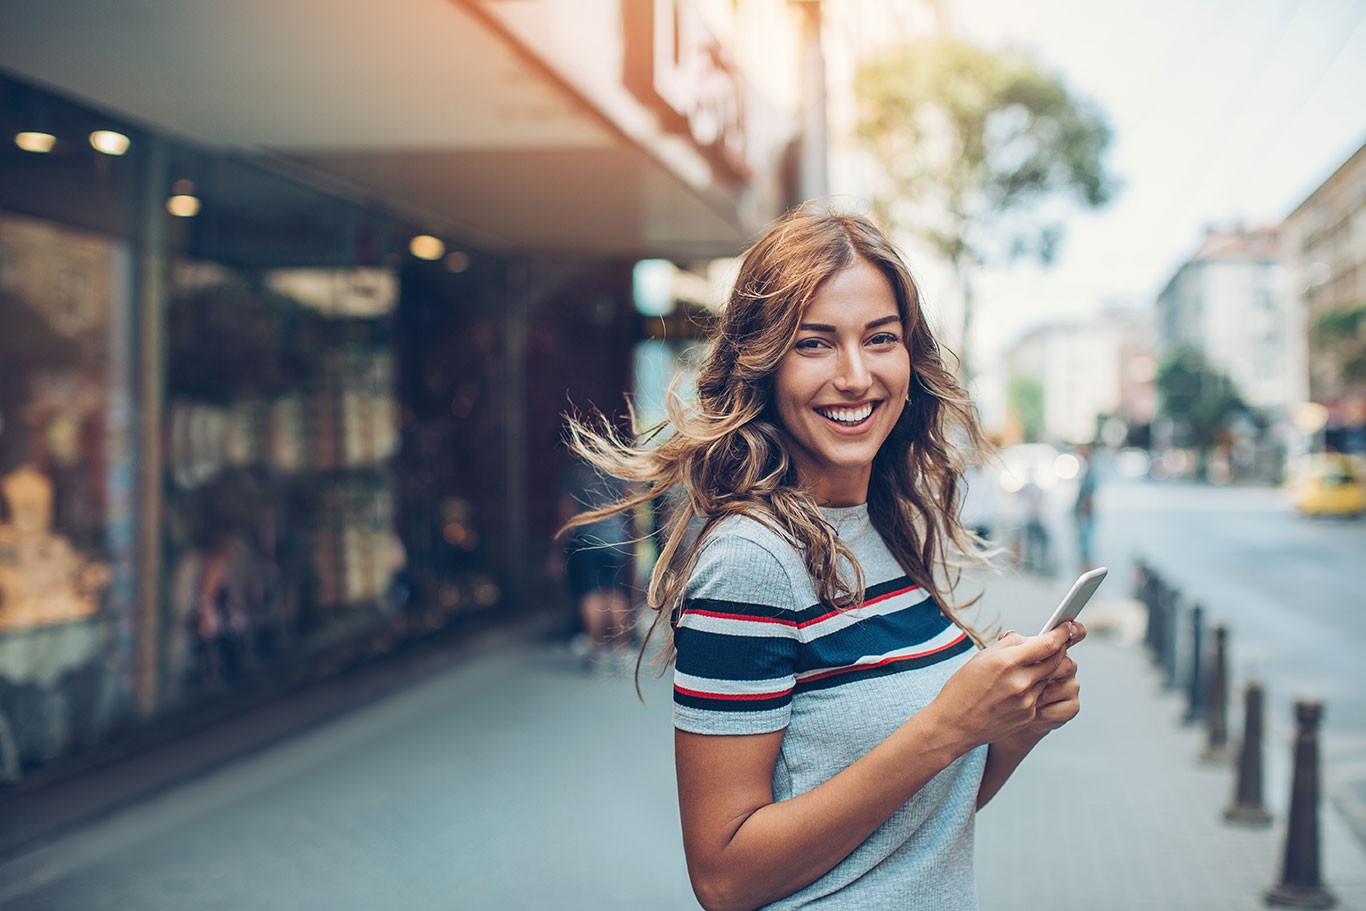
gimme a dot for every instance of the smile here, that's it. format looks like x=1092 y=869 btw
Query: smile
x=847 y=415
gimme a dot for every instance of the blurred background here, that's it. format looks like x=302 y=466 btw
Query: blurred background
x=294 y=297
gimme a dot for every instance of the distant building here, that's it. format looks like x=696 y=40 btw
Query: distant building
x=1087 y=369
x=1229 y=303
x=1325 y=246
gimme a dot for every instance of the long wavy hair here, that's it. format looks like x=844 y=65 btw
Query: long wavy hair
x=727 y=453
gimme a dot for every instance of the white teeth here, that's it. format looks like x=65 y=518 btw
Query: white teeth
x=848 y=415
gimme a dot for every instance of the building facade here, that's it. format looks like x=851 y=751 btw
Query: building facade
x=294 y=298
x=1086 y=372
x=1325 y=243
x=1229 y=303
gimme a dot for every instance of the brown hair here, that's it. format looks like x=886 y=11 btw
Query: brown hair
x=727 y=454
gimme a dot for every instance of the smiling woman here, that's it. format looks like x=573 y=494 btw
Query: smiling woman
x=832 y=710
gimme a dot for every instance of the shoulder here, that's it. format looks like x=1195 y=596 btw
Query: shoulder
x=744 y=559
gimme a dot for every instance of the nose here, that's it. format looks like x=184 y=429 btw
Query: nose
x=853 y=375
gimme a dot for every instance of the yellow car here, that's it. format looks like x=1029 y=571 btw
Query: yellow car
x=1334 y=485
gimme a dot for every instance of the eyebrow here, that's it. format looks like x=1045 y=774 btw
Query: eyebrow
x=822 y=327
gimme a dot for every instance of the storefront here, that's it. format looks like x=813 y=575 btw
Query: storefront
x=283 y=367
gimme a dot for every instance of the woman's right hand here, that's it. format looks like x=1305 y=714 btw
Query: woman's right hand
x=996 y=693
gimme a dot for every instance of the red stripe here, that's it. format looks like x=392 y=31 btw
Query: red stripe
x=884 y=662
x=731 y=696
x=878 y=599
x=743 y=617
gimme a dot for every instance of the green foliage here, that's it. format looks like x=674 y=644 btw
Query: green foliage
x=1197 y=397
x=1024 y=401
x=988 y=138
x=1341 y=333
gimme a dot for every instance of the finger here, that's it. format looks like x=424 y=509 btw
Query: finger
x=1040 y=648
x=1066 y=670
x=1060 y=691
x=1010 y=638
x=1051 y=666
x=1076 y=632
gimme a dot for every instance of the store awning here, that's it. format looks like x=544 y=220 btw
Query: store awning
x=429 y=106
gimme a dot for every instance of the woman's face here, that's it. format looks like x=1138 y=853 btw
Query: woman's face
x=840 y=389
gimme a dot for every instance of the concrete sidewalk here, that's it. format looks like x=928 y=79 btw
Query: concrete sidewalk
x=510 y=750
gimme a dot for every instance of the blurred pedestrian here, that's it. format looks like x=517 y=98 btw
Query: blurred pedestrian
x=837 y=721
x=1084 y=509
x=1035 y=549
x=597 y=564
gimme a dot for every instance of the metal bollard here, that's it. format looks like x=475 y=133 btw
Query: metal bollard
x=1216 y=703
x=1154 y=637
x=1147 y=594
x=1195 y=682
x=1300 y=885
x=1247 y=809
x=1171 y=639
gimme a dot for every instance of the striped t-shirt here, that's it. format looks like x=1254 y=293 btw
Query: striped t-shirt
x=757 y=652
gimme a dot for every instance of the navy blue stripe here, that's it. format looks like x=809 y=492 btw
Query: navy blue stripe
x=895 y=667
x=874 y=636
x=886 y=588
x=722 y=657
x=805 y=615
x=732 y=705
x=743 y=609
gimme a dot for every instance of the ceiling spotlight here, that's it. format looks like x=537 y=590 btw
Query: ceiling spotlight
x=424 y=246
x=35 y=142
x=109 y=142
x=183 y=205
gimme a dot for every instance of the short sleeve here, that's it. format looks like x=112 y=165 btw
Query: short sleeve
x=736 y=641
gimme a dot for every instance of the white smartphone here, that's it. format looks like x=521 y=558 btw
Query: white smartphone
x=1076 y=599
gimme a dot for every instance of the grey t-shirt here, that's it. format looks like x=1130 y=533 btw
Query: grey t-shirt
x=757 y=652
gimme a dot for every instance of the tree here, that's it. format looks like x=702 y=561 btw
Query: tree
x=980 y=151
x=1340 y=335
x=1024 y=401
x=1199 y=399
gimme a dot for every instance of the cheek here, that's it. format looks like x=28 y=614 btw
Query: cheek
x=789 y=389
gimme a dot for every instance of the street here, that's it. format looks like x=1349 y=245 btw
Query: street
x=1288 y=588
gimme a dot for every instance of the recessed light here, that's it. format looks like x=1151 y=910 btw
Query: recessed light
x=183 y=205
x=109 y=142
x=424 y=246
x=35 y=142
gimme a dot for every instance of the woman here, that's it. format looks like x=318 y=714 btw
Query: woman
x=837 y=723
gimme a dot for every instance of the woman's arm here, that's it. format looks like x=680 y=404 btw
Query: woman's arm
x=745 y=850
x=1058 y=704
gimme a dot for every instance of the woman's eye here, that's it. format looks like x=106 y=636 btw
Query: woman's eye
x=885 y=338
x=808 y=344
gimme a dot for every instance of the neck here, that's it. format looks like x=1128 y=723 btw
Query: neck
x=842 y=490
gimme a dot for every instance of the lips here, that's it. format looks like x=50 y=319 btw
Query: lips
x=847 y=415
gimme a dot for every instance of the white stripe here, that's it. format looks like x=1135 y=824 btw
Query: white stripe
x=727 y=626
x=732 y=687
x=938 y=641
x=847 y=618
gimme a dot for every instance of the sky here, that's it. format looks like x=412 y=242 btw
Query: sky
x=1223 y=111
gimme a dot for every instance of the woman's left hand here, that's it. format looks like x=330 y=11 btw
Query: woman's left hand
x=1060 y=700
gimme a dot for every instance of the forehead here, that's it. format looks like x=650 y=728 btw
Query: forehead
x=859 y=293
